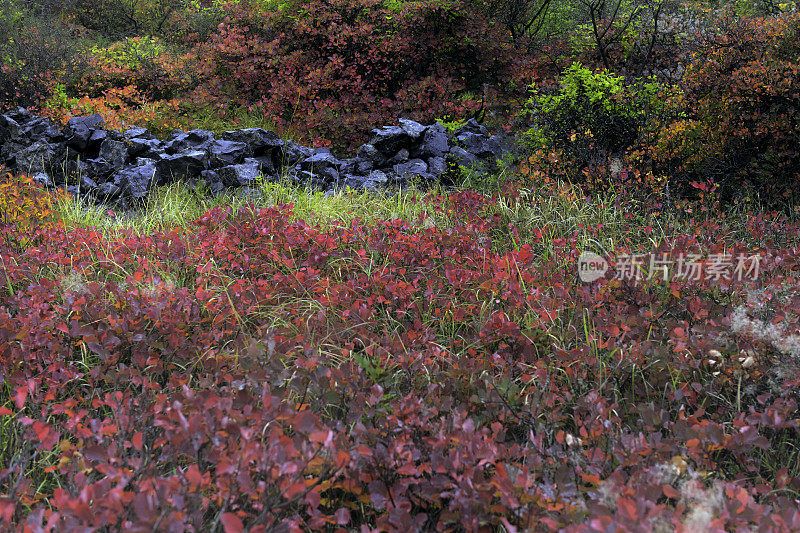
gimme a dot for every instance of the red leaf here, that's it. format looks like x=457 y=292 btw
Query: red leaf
x=4 y=411
x=19 y=398
x=231 y=523
x=342 y=516
x=137 y=441
x=294 y=489
x=670 y=492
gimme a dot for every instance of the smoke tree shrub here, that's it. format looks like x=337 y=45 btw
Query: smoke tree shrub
x=336 y=68
x=738 y=118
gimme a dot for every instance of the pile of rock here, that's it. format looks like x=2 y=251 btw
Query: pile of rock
x=124 y=166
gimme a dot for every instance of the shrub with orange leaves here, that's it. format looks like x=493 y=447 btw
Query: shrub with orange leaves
x=738 y=112
x=25 y=208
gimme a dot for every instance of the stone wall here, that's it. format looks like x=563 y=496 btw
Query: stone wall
x=122 y=167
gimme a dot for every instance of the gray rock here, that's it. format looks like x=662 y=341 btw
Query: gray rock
x=9 y=128
x=135 y=182
x=437 y=166
x=412 y=168
x=88 y=185
x=400 y=157
x=108 y=189
x=323 y=165
x=266 y=165
x=480 y=145
x=139 y=146
x=181 y=166
x=9 y=152
x=72 y=171
x=40 y=127
x=20 y=115
x=136 y=132
x=347 y=166
x=212 y=180
x=461 y=157
x=99 y=168
x=35 y=158
x=311 y=180
x=354 y=181
x=388 y=140
x=378 y=176
x=434 y=142
x=363 y=167
x=258 y=141
x=225 y=153
x=471 y=126
x=194 y=140
x=412 y=128
x=42 y=179
x=96 y=139
x=368 y=153
x=293 y=153
x=239 y=175
x=148 y=160
x=91 y=122
x=115 y=153
x=78 y=136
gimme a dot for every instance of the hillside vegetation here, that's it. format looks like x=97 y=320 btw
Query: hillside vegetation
x=412 y=359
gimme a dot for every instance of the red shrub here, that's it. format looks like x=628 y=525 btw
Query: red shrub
x=336 y=68
x=738 y=126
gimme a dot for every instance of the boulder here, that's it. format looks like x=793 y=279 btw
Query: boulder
x=388 y=140
x=434 y=142
x=194 y=140
x=42 y=179
x=9 y=151
x=437 y=166
x=471 y=126
x=78 y=130
x=91 y=122
x=412 y=128
x=140 y=146
x=181 y=166
x=212 y=180
x=480 y=145
x=96 y=140
x=225 y=153
x=258 y=141
x=378 y=176
x=410 y=169
x=322 y=165
x=9 y=128
x=461 y=157
x=108 y=190
x=20 y=115
x=400 y=157
x=41 y=127
x=38 y=157
x=72 y=170
x=293 y=153
x=135 y=182
x=115 y=153
x=137 y=132
x=367 y=153
x=239 y=175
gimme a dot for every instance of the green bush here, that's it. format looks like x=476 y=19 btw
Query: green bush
x=591 y=114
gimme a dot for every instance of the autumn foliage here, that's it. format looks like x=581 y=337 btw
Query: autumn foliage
x=255 y=372
x=337 y=68
x=739 y=112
